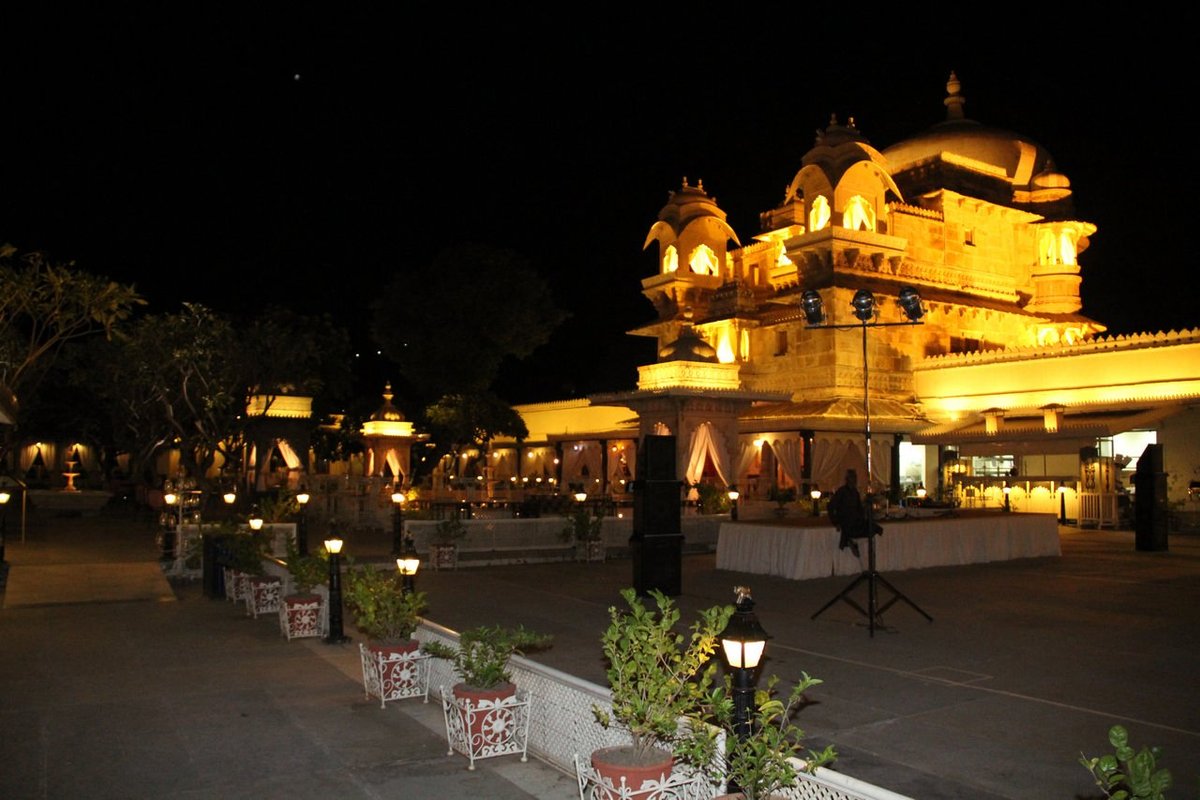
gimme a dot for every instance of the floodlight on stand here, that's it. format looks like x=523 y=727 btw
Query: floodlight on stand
x=864 y=305
x=814 y=308
x=910 y=302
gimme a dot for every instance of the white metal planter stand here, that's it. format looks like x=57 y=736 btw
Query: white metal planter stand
x=235 y=585
x=677 y=786
x=394 y=676
x=261 y=595
x=302 y=620
x=503 y=726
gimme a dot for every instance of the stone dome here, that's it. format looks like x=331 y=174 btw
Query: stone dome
x=1020 y=159
x=387 y=412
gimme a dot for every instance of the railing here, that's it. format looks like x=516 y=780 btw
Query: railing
x=563 y=724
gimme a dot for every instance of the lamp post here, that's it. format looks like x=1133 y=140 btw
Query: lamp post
x=408 y=563
x=1007 y=500
x=815 y=494
x=398 y=498
x=743 y=642
x=302 y=524
x=255 y=520
x=1062 y=504
x=865 y=311
x=734 y=494
x=175 y=501
x=333 y=545
x=4 y=498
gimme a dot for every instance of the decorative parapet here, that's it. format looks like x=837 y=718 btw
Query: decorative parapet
x=1102 y=344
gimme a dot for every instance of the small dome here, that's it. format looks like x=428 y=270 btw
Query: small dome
x=688 y=347
x=387 y=412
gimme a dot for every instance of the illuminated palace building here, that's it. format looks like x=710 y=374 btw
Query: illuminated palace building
x=1000 y=382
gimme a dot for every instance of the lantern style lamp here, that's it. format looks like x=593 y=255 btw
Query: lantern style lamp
x=743 y=642
x=580 y=496
x=408 y=563
x=734 y=494
x=255 y=520
x=1007 y=501
x=4 y=498
x=230 y=497
x=398 y=498
x=302 y=524
x=815 y=494
x=333 y=545
x=1062 y=504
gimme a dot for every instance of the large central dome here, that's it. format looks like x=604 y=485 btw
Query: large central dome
x=987 y=153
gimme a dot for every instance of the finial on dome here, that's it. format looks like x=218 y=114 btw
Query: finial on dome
x=685 y=183
x=700 y=184
x=851 y=123
x=387 y=391
x=954 y=100
x=833 y=119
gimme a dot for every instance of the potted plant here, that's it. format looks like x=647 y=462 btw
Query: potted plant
x=584 y=529
x=481 y=662
x=443 y=544
x=244 y=552
x=781 y=497
x=1126 y=773
x=300 y=611
x=388 y=616
x=657 y=676
x=758 y=763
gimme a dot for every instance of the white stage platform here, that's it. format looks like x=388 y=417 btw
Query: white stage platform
x=791 y=551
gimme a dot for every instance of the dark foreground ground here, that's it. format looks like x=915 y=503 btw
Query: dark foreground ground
x=116 y=683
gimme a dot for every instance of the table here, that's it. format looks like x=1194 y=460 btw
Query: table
x=812 y=552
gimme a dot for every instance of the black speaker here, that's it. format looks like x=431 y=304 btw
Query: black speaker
x=1150 y=513
x=657 y=564
x=656 y=459
x=656 y=508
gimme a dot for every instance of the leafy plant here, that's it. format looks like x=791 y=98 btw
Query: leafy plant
x=448 y=531
x=307 y=571
x=712 y=499
x=759 y=763
x=582 y=526
x=278 y=508
x=657 y=675
x=246 y=551
x=1128 y=774
x=481 y=658
x=382 y=609
x=781 y=496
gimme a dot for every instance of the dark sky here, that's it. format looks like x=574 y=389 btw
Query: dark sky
x=303 y=153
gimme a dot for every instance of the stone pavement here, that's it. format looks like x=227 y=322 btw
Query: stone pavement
x=1025 y=665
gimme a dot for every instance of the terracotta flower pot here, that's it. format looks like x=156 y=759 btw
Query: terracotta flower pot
x=616 y=763
x=484 y=727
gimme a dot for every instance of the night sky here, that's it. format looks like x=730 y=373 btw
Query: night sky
x=301 y=154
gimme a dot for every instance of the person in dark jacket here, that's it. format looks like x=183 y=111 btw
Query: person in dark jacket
x=848 y=513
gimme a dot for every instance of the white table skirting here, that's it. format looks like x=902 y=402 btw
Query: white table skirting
x=800 y=553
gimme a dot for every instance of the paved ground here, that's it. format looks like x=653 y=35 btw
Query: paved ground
x=1025 y=664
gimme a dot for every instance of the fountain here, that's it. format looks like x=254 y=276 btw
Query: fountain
x=72 y=471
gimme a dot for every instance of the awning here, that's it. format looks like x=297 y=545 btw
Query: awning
x=1031 y=430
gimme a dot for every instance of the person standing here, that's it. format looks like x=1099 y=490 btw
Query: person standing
x=848 y=513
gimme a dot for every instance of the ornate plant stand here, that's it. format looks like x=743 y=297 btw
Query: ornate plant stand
x=235 y=585
x=592 y=550
x=443 y=556
x=500 y=727
x=300 y=617
x=262 y=595
x=394 y=675
x=677 y=786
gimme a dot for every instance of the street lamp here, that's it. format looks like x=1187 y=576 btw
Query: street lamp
x=333 y=545
x=4 y=498
x=255 y=520
x=175 y=501
x=743 y=642
x=734 y=494
x=815 y=494
x=398 y=499
x=865 y=311
x=302 y=524
x=1062 y=504
x=1007 y=500
x=408 y=563
x=580 y=497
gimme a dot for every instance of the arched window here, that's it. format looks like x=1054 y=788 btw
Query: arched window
x=1048 y=248
x=782 y=260
x=670 y=259
x=703 y=261
x=858 y=216
x=818 y=214
x=1066 y=248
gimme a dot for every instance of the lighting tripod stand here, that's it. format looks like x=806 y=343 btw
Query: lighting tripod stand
x=863 y=304
x=872 y=578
